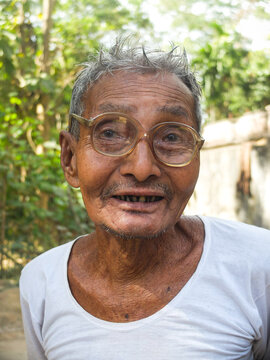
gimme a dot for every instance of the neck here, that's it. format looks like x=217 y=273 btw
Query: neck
x=126 y=259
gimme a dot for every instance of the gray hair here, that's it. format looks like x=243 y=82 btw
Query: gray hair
x=123 y=56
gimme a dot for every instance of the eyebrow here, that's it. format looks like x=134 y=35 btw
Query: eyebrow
x=174 y=110
x=109 y=107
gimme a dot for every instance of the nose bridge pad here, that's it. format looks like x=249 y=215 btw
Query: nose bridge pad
x=146 y=137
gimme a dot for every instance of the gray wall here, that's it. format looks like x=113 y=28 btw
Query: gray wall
x=234 y=181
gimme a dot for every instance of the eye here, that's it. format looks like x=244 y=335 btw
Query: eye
x=108 y=133
x=171 y=137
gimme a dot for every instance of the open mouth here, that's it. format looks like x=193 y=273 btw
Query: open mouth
x=142 y=199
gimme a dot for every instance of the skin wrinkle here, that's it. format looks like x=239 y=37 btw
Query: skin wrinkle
x=128 y=267
x=134 y=88
x=156 y=77
x=108 y=107
x=122 y=108
x=154 y=83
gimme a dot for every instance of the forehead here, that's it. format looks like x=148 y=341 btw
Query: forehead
x=139 y=93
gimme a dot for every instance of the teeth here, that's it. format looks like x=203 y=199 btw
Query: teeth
x=133 y=198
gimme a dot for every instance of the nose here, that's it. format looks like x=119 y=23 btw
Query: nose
x=140 y=163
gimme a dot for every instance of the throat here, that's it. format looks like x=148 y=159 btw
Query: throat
x=129 y=258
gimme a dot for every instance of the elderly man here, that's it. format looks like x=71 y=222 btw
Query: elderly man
x=149 y=283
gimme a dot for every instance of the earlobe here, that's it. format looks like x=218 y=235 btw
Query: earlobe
x=68 y=158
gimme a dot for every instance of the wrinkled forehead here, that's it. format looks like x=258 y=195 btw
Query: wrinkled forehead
x=134 y=93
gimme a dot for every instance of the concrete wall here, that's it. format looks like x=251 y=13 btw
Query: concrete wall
x=234 y=181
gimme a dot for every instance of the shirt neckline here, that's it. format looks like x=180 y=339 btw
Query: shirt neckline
x=137 y=323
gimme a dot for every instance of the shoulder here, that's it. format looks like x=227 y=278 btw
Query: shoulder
x=37 y=272
x=48 y=258
x=239 y=246
x=40 y=278
x=239 y=233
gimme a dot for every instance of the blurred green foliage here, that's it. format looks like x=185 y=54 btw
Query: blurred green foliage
x=234 y=79
x=38 y=210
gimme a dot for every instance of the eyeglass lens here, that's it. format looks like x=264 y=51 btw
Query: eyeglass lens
x=116 y=135
x=174 y=144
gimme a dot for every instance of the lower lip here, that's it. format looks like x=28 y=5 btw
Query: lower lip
x=137 y=206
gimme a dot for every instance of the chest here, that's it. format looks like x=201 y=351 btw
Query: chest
x=130 y=301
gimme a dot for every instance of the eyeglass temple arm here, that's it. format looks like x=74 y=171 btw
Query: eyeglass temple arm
x=200 y=141
x=81 y=120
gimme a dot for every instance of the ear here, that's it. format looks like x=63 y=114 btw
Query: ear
x=68 y=158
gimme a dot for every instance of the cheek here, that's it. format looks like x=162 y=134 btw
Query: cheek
x=185 y=187
x=187 y=178
x=94 y=171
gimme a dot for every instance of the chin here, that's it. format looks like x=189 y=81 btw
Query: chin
x=132 y=235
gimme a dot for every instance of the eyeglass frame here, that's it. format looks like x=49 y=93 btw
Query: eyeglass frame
x=146 y=134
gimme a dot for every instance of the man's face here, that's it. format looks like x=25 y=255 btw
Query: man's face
x=108 y=183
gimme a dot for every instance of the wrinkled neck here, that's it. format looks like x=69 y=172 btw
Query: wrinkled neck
x=127 y=259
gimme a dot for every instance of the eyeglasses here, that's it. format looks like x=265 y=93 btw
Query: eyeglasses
x=116 y=134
